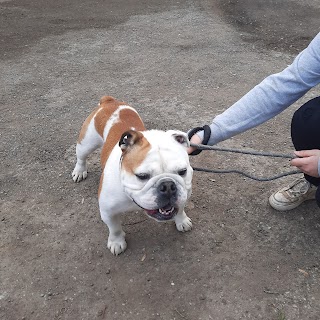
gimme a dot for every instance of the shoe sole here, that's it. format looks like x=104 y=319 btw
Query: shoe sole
x=280 y=207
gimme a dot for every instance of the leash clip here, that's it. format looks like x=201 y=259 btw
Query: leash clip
x=206 y=136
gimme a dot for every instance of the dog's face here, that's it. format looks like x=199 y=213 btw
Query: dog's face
x=155 y=171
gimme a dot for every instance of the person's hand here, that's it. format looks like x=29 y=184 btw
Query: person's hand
x=196 y=140
x=307 y=161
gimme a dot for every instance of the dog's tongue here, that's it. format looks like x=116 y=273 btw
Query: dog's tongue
x=152 y=211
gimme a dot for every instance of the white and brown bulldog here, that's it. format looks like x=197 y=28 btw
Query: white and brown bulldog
x=147 y=169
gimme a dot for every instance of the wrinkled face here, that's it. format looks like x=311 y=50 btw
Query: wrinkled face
x=155 y=171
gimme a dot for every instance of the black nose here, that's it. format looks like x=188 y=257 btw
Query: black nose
x=167 y=188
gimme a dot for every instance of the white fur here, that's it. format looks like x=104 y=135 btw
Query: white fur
x=119 y=187
x=91 y=141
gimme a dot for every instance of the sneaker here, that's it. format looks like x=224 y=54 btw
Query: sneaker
x=293 y=195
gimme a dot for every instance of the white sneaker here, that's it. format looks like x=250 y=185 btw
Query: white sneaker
x=293 y=195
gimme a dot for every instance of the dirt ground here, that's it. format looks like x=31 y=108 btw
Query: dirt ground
x=179 y=63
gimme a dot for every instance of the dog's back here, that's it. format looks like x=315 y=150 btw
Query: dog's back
x=103 y=127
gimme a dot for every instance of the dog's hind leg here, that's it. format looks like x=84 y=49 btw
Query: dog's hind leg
x=89 y=140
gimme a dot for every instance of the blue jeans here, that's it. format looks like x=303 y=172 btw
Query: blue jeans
x=305 y=133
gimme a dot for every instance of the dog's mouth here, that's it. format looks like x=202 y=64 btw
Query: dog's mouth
x=162 y=214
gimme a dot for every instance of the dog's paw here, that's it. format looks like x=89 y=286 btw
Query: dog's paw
x=117 y=246
x=183 y=223
x=79 y=174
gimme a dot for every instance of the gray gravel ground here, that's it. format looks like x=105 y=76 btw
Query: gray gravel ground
x=179 y=64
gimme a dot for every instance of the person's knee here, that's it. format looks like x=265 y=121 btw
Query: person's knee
x=305 y=128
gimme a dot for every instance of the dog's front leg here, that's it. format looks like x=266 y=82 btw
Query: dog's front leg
x=183 y=222
x=116 y=240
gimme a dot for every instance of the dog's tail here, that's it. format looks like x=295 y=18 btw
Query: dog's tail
x=108 y=100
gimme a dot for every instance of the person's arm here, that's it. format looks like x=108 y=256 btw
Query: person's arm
x=270 y=97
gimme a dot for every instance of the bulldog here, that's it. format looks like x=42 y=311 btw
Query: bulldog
x=141 y=169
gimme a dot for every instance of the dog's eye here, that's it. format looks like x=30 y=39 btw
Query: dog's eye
x=143 y=176
x=182 y=172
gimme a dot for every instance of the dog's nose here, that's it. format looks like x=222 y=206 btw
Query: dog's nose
x=167 y=188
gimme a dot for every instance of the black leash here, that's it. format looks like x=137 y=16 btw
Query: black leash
x=204 y=146
x=201 y=147
x=248 y=175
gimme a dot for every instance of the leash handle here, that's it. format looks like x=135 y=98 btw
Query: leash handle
x=206 y=136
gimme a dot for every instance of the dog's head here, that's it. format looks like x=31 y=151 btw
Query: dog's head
x=155 y=171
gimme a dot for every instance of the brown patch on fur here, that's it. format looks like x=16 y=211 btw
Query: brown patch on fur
x=108 y=106
x=135 y=154
x=110 y=100
x=127 y=119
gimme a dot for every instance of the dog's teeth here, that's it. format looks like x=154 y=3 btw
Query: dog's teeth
x=166 y=212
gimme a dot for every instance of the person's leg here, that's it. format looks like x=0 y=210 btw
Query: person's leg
x=305 y=130
x=305 y=133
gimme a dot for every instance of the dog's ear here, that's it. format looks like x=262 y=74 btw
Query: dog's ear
x=180 y=137
x=129 y=138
